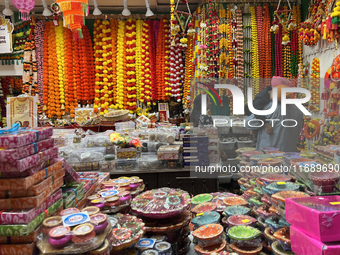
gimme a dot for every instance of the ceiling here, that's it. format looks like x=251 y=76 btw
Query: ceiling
x=116 y=6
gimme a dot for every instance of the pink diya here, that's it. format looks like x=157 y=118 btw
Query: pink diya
x=246 y=251
x=270 y=178
x=241 y=220
x=229 y=201
x=59 y=232
x=326 y=181
x=121 y=233
x=270 y=162
x=211 y=249
x=265 y=200
x=205 y=207
x=264 y=212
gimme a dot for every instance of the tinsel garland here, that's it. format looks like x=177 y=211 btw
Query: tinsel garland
x=197 y=42
x=203 y=47
x=130 y=49
x=212 y=42
x=145 y=90
x=39 y=51
x=255 y=53
x=59 y=32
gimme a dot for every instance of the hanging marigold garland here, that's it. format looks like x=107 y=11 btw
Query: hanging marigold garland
x=98 y=62
x=70 y=92
x=255 y=53
x=152 y=56
x=66 y=73
x=139 y=27
x=145 y=94
x=160 y=59
x=130 y=49
x=90 y=64
x=240 y=59
x=114 y=36
x=189 y=70
x=167 y=87
x=120 y=66
x=59 y=32
x=315 y=86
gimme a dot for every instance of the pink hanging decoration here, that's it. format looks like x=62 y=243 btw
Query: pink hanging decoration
x=24 y=7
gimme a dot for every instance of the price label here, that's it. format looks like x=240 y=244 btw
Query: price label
x=245 y=221
x=281 y=183
x=199 y=214
x=335 y=203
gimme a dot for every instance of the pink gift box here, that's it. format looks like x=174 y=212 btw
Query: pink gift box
x=10 y=155
x=26 y=163
x=319 y=217
x=303 y=244
x=25 y=216
x=26 y=173
x=24 y=137
x=70 y=174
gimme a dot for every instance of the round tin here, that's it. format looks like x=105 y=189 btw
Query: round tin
x=91 y=210
x=83 y=233
x=59 y=232
x=163 y=248
x=109 y=193
x=69 y=211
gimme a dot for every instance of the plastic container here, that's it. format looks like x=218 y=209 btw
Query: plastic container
x=150 y=162
x=168 y=152
x=243 y=144
x=126 y=164
x=239 y=129
x=228 y=144
x=125 y=126
x=126 y=152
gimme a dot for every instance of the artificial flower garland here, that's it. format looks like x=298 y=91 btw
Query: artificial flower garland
x=98 y=61
x=114 y=36
x=160 y=59
x=139 y=27
x=59 y=32
x=239 y=52
x=255 y=53
x=120 y=66
x=145 y=90
x=152 y=44
x=189 y=70
x=315 y=85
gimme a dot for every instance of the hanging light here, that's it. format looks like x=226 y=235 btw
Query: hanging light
x=7 y=11
x=148 y=10
x=96 y=10
x=46 y=11
x=126 y=11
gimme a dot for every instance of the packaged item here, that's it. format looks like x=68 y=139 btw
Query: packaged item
x=126 y=152
x=32 y=237
x=70 y=174
x=97 y=141
x=315 y=216
x=125 y=126
x=168 y=152
x=149 y=161
x=26 y=229
x=10 y=155
x=127 y=164
x=25 y=216
x=15 y=249
x=24 y=137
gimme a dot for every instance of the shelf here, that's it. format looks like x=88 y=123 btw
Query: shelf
x=11 y=70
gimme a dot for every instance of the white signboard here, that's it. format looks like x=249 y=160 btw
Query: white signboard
x=6 y=29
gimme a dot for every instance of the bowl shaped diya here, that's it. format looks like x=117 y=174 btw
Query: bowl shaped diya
x=280 y=197
x=267 y=201
x=270 y=162
x=276 y=187
x=268 y=149
x=274 y=211
x=325 y=181
x=248 y=186
x=248 y=154
x=211 y=249
x=205 y=207
x=256 y=202
x=267 y=193
x=242 y=181
x=281 y=211
x=236 y=210
x=243 y=233
x=284 y=223
x=246 y=251
x=264 y=212
x=268 y=235
x=51 y=223
x=206 y=218
x=209 y=235
x=262 y=223
x=258 y=157
x=239 y=151
x=160 y=203
x=240 y=220
x=69 y=211
x=283 y=236
x=202 y=198
x=91 y=210
x=83 y=233
x=269 y=178
x=288 y=156
x=259 y=183
x=252 y=181
x=278 y=249
x=258 y=191
x=229 y=201
x=274 y=223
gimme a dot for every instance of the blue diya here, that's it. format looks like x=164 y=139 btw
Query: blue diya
x=206 y=218
x=236 y=210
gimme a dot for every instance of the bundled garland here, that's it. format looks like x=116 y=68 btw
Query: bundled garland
x=255 y=53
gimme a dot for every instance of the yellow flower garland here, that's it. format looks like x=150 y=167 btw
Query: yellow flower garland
x=98 y=59
x=59 y=31
x=139 y=25
x=255 y=53
x=120 y=66
x=145 y=94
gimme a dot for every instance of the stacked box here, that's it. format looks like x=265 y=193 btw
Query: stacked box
x=30 y=187
x=72 y=194
x=195 y=151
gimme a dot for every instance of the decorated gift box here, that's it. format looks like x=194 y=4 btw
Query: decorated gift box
x=34 y=190
x=72 y=192
x=26 y=229
x=24 y=137
x=11 y=155
x=25 y=216
x=26 y=163
x=27 y=182
x=71 y=175
x=32 y=237
x=18 y=249
x=316 y=216
x=30 y=202
x=26 y=173
x=168 y=152
x=303 y=244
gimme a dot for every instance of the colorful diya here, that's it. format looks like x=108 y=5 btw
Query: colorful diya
x=206 y=218
x=288 y=156
x=325 y=181
x=209 y=235
x=264 y=212
x=273 y=223
x=236 y=210
x=202 y=198
x=268 y=149
x=269 y=178
x=241 y=220
x=270 y=162
x=205 y=207
x=283 y=236
x=211 y=249
x=248 y=154
x=229 y=201
x=280 y=197
x=262 y=223
x=265 y=200
x=278 y=249
x=276 y=187
x=256 y=158
x=244 y=149
x=268 y=234
x=243 y=233
x=256 y=202
x=246 y=251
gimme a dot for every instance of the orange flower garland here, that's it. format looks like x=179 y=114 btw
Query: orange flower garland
x=71 y=96
x=90 y=64
x=160 y=54
x=114 y=36
x=59 y=32
x=67 y=45
x=98 y=63
x=313 y=125
x=77 y=71
x=139 y=27
x=145 y=94
x=45 y=64
x=130 y=49
x=53 y=78
x=167 y=35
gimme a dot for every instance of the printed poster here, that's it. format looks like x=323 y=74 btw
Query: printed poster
x=22 y=110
